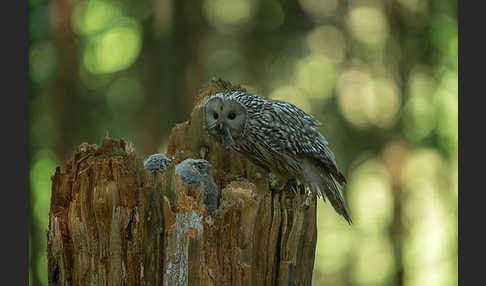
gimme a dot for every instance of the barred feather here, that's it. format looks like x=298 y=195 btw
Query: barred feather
x=283 y=139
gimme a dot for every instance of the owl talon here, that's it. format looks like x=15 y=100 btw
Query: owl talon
x=307 y=202
x=276 y=183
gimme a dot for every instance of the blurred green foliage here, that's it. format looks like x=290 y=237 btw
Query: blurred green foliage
x=380 y=75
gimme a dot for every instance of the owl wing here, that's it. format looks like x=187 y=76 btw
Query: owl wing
x=293 y=131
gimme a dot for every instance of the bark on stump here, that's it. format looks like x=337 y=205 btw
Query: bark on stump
x=109 y=224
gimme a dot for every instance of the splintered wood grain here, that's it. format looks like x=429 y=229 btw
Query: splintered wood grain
x=96 y=231
x=255 y=237
x=109 y=224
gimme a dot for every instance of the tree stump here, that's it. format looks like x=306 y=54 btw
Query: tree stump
x=111 y=224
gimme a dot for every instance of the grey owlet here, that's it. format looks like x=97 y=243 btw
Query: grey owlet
x=279 y=137
x=195 y=171
x=156 y=163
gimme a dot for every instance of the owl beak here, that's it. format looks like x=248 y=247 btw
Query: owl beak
x=227 y=139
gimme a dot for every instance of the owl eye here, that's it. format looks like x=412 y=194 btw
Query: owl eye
x=215 y=115
x=231 y=116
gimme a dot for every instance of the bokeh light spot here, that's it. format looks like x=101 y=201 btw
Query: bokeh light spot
x=447 y=105
x=319 y=9
x=368 y=25
x=42 y=62
x=443 y=30
x=373 y=251
x=370 y=196
x=44 y=130
x=367 y=101
x=335 y=232
x=454 y=174
x=327 y=41
x=43 y=167
x=419 y=111
x=93 y=15
x=421 y=170
x=354 y=92
x=42 y=268
x=292 y=95
x=114 y=50
x=414 y=5
x=316 y=75
x=230 y=16
x=429 y=251
x=386 y=103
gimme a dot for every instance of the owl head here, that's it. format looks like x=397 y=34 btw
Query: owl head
x=225 y=118
x=201 y=167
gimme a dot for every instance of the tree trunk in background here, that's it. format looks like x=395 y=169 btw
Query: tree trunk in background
x=63 y=97
x=110 y=225
x=67 y=88
x=162 y=61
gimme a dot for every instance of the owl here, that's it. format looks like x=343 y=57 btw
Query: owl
x=156 y=163
x=280 y=138
x=195 y=171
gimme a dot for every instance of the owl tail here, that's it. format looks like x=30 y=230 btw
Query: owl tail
x=321 y=182
x=332 y=193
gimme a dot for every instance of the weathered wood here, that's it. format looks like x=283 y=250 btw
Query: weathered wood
x=110 y=225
